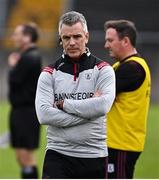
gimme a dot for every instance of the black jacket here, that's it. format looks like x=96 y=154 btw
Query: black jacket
x=23 y=78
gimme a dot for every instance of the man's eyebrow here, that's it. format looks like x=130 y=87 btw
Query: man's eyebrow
x=77 y=35
x=74 y=35
x=65 y=35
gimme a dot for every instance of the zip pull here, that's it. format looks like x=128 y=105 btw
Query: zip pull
x=75 y=71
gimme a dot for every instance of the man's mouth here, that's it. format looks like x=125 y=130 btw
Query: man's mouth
x=110 y=51
x=72 y=49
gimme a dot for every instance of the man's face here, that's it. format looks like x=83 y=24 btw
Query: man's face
x=19 y=39
x=74 y=40
x=17 y=36
x=113 y=43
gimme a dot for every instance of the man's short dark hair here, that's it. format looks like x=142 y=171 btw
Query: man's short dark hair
x=124 y=28
x=31 y=30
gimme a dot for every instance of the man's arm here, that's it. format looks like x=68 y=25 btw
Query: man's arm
x=20 y=70
x=96 y=106
x=46 y=113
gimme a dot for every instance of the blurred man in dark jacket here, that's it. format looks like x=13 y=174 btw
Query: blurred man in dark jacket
x=25 y=67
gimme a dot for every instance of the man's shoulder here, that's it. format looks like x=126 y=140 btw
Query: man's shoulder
x=31 y=57
x=99 y=62
x=31 y=52
x=133 y=62
x=50 y=67
x=130 y=68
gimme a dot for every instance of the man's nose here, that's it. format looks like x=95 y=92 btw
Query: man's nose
x=106 y=45
x=72 y=41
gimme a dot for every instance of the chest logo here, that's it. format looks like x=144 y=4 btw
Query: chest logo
x=88 y=76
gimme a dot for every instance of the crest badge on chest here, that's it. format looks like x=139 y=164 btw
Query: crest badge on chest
x=88 y=76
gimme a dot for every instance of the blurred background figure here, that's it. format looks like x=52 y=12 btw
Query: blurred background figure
x=25 y=67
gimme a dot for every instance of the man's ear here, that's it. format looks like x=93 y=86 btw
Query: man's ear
x=60 y=41
x=87 y=37
x=126 y=40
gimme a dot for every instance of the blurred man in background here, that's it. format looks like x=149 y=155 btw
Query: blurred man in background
x=128 y=117
x=73 y=96
x=25 y=67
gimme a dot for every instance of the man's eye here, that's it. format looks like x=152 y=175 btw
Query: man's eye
x=66 y=37
x=109 y=40
x=77 y=36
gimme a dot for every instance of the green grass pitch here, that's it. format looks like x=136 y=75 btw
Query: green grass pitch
x=147 y=165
